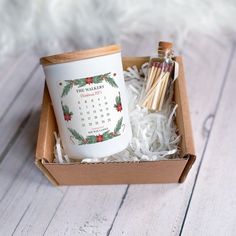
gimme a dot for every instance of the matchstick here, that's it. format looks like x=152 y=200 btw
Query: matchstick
x=157 y=83
x=158 y=91
x=151 y=76
x=159 y=75
x=165 y=88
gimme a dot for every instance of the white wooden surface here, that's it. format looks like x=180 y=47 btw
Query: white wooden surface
x=204 y=205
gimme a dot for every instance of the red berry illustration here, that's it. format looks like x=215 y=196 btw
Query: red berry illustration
x=67 y=117
x=118 y=104
x=99 y=138
x=89 y=80
x=66 y=112
x=119 y=107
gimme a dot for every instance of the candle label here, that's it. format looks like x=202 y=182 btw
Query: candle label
x=92 y=108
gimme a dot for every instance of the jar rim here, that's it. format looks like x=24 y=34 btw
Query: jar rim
x=79 y=55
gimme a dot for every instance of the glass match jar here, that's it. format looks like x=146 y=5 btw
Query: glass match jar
x=89 y=99
x=158 y=79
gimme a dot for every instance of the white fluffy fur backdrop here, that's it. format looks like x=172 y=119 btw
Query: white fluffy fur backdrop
x=56 y=25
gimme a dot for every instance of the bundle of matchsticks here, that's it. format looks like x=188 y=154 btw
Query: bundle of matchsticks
x=157 y=82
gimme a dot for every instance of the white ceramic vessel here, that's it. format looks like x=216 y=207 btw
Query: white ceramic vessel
x=89 y=100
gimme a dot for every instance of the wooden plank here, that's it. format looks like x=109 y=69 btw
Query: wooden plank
x=213 y=210
x=21 y=183
x=12 y=164
x=14 y=78
x=87 y=210
x=40 y=209
x=18 y=112
x=147 y=207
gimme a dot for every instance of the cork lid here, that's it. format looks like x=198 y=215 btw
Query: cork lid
x=79 y=55
x=165 y=45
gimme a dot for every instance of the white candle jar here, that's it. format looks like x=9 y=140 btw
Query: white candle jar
x=88 y=94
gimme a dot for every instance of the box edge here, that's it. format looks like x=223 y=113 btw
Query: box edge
x=46 y=173
x=188 y=166
x=187 y=125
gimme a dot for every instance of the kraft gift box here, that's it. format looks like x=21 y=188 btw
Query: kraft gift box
x=76 y=173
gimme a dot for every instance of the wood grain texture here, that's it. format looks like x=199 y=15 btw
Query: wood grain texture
x=87 y=210
x=79 y=55
x=21 y=183
x=213 y=207
x=23 y=186
x=163 y=207
x=18 y=180
x=14 y=78
x=18 y=112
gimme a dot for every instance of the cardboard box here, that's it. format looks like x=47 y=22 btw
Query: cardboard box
x=165 y=171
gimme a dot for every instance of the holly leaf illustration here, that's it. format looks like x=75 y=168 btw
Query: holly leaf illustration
x=80 y=82
x=118 y=99
x=67 y=88
x=97 y=79
x=110 y=80
x=118 y=125
x=77 y=135
x=65 y=109
x=107 y=135
x=91 y=139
